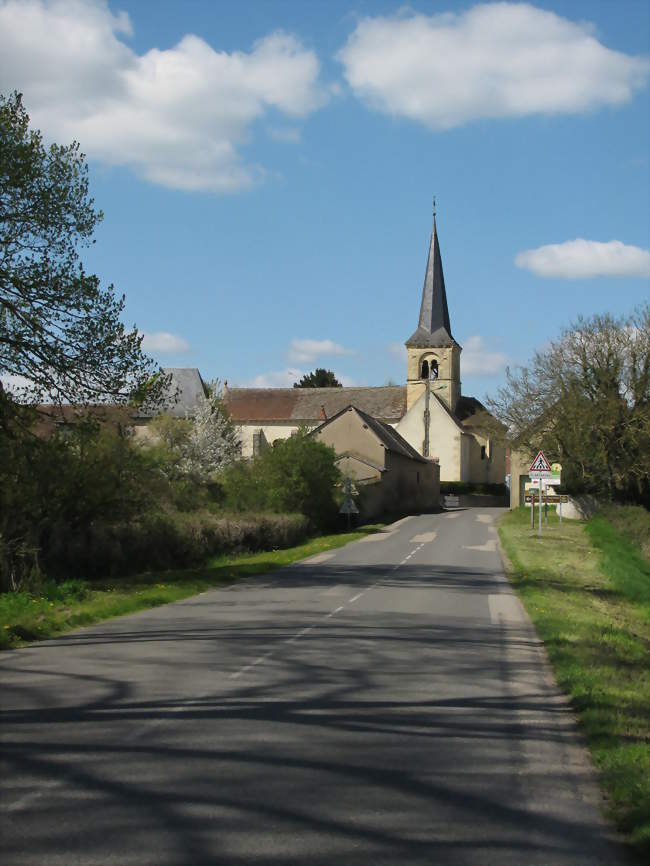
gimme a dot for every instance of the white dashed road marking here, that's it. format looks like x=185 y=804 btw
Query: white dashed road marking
x=423 y=538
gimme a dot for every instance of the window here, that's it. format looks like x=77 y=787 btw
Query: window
x=482 y=452
x=434 y=370
x=425 y=370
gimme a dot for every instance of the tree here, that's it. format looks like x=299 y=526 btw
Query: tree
x=213 y=442
x=60 y=332
x=585 y=399
x=298 y=474
x=320 y=378
x=204 y=444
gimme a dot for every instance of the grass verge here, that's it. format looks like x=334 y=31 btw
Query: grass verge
x=58 y=608
x=587 y=590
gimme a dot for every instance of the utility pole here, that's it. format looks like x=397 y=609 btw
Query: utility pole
x=427 y=397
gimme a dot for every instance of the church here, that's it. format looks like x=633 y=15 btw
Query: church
x=430 y=412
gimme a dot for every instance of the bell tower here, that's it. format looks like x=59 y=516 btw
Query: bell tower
x=432 y=353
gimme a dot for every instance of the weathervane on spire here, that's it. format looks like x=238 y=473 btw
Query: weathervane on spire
x=434 y=207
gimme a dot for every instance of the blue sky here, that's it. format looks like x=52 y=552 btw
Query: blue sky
x=266 y=171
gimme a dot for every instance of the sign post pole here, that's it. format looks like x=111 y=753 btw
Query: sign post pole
x=560 y=511
x=540 y=470
x=546 y=505
x=532 y=509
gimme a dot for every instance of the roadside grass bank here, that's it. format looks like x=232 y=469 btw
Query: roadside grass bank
x=587 y=589
x=58 y=608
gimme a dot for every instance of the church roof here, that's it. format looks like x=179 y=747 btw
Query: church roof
x=298 y=405
x=434 y=327
x=387 y=435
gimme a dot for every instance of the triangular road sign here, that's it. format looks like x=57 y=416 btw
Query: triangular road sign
x=540 y=464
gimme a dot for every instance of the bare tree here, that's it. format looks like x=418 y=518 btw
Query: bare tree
x=585 y=399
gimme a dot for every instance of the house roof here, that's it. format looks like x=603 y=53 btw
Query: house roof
x=186 y=390
x=387 y=435
x=299 y=405
x=434 y=326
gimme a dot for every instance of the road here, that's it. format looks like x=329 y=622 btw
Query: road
x=385 y=703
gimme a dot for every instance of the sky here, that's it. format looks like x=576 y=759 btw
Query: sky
x=267 y=168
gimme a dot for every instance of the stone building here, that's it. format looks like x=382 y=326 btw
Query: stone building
x=391 y=476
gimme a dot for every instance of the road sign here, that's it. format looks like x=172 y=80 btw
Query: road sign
x=540 y=467
x=551 y=498
x=349 y=507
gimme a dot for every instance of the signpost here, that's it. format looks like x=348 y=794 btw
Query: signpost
x=540 y=469
x=349 y=505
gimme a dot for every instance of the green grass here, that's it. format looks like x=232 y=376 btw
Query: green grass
x=55 y=609
x=587 y=589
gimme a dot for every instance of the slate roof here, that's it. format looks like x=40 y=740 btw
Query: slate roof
x=434 y=326
x=185 y=392
x=468 y=406
x=298 y=405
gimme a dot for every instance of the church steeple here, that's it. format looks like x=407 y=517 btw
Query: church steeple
x=432 y=353
x=434 y=327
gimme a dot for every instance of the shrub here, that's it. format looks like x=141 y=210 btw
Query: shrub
x=297 y=474
x=464 y=487
x=162 y=541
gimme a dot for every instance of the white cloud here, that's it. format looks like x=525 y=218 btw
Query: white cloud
x=289 y=134
x=494 y=60
x=578 y=259
x=164 y=343
x=177 y=116
x=397 y=350
x=15 y=384
x=477 y=360
x=286 y=378
x=306 y=351
x=277 y=379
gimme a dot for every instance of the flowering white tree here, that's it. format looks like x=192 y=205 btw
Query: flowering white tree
x=213 y=441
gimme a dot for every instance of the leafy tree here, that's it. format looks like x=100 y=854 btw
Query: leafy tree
x=60 y=333
x=585 y=399
x=320 y=378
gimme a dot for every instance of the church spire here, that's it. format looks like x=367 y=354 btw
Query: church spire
x=434 y=327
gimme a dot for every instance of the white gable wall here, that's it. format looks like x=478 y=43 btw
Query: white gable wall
x=272 y=431
x=445 y=438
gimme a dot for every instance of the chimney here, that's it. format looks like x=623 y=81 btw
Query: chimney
x=323 y=413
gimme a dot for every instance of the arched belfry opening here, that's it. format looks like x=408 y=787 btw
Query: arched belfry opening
x=433 y=369
x=425 y=370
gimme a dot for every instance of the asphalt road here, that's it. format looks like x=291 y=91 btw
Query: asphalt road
x=386 y=703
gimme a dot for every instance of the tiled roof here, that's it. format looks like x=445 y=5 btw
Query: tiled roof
x=393 y=440
x=298 y=405
x=387 y=435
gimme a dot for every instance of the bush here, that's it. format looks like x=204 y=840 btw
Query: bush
x=297 y=474
x=464 y=487
x=162 y=541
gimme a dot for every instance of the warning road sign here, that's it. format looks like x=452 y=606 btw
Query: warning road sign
x=540 y=466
